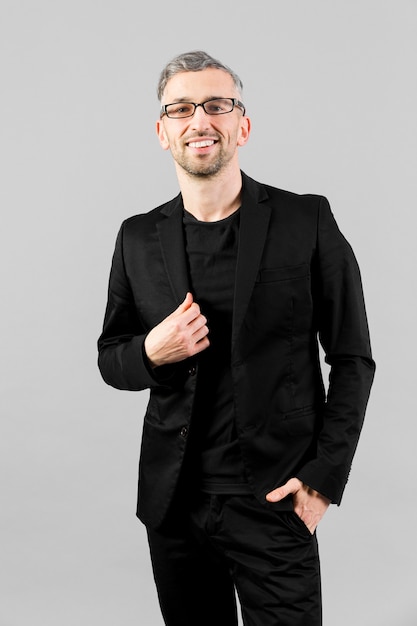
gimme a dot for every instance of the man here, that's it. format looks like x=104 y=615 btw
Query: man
x=216 y=303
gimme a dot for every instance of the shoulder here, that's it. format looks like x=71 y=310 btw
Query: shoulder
x=146 y=223
x=286 y=204
x=276 y=196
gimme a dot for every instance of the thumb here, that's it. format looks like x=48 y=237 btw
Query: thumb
x=291 y=486
x=185 y=304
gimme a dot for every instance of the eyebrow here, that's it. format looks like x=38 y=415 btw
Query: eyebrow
x=187 y=99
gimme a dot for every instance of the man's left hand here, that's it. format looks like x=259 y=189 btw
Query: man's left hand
x=309 y=504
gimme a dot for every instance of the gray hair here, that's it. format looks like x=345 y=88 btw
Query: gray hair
x=195 y=61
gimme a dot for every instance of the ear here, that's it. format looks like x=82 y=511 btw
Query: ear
x=245 y=127
x=162 y=136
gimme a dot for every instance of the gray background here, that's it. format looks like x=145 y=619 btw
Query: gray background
x=330 y=87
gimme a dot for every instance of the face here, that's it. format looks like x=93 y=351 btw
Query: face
x=203 y=145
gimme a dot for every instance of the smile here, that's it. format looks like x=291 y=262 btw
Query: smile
x=201 y=144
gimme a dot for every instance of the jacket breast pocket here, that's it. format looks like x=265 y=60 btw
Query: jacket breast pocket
x=277 y=274
x=282 y=300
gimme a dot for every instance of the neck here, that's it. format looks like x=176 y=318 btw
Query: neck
x=211 y=198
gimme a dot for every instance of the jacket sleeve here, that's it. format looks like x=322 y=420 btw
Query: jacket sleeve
x=121 y=357
x=344 y=336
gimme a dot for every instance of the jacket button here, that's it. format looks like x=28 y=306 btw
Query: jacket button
x=184 y=431
x=192 y=370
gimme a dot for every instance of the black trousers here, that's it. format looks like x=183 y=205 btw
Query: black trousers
x=223 y=543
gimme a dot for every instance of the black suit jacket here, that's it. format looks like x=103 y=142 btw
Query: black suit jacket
x=297 y=282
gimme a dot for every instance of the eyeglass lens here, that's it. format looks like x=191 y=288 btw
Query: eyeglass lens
x=211 y=107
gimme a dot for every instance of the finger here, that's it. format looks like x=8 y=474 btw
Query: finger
x=277 y=494
x=291 y=486
x=195 y=322
x=200 y=333
x=185 y=304
x=193 y=317
x=201 y=345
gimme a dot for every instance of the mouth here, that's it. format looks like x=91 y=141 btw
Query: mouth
x=204 y=143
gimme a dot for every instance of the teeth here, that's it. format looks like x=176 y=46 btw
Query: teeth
x=201 y=144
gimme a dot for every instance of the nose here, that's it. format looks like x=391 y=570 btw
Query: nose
x=200 y=118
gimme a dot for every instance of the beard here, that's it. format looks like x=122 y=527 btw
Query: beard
x=201 y=166
x=201 y=170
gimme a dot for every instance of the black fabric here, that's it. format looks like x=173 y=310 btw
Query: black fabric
x=268 y=555
x=211 y=249
x=297 y=282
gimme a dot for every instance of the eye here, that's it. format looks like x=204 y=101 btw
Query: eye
x=221 y=105
x=185 y=108
x=180 y=109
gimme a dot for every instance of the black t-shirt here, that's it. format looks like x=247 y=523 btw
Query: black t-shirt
x=211 y=249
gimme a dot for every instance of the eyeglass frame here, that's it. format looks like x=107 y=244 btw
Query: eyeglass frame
x=235 y=102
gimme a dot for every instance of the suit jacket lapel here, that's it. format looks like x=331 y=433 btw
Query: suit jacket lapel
x=254 y=220
x=171 y=236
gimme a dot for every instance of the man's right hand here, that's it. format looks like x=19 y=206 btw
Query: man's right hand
x=179 y=336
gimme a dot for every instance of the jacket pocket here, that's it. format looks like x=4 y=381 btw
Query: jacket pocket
x=270 y=275
x=301 y=421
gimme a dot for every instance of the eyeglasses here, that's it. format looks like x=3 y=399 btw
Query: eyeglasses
x=215 y=106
